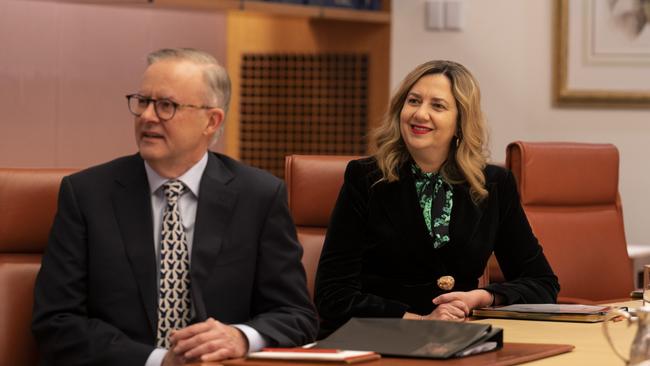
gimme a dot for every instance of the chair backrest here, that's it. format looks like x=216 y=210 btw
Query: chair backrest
x=313 y=185
x=569 y=192
x=28 y=199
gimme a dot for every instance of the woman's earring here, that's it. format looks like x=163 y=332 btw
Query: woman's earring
x=457 y=141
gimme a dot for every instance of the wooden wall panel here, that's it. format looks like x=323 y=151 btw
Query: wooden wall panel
x=250 y=33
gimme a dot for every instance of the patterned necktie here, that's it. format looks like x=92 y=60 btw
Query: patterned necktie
x=174 y=302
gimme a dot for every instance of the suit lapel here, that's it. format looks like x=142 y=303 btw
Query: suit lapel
x=132 y=205
x=213 y=213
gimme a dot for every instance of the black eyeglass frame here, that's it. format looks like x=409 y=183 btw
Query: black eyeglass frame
x=150 y=100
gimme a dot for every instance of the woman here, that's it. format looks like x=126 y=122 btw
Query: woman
x=415 y=224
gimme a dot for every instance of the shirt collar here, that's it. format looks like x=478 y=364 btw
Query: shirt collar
x=191 y=178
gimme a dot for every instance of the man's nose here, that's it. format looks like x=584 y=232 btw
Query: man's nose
x=149 y=114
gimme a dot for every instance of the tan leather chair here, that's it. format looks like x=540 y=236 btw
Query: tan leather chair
x=570 y=194
x=313 y=185
x=28 y=200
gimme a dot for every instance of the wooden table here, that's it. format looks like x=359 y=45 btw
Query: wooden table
x=591 y=347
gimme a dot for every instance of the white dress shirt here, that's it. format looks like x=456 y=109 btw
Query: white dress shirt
x=187 y=205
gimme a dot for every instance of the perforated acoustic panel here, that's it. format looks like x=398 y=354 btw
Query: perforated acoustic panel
x=302 y=104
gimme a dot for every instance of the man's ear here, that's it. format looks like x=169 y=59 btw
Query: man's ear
x=216 y=117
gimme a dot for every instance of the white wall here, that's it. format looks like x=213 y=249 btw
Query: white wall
x=508 y=45
x=65 y=69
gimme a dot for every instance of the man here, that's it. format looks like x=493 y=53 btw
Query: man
x=176 y=253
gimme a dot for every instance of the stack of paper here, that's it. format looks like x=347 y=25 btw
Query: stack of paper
x=309 y=354
x=554 y=312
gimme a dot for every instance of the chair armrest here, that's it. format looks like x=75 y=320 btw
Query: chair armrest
x=638 y=250
x=639 y=255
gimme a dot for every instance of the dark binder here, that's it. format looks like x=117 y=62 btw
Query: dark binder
x=414 y=338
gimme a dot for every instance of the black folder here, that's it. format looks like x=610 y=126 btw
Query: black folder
x=414 y=338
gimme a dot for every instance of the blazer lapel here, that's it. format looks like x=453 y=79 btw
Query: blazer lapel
x=401 y=206
x=465 y=216
x=403 y=209
x=132 y=206
x=213 y=213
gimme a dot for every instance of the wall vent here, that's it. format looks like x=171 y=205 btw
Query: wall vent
x=302 y=104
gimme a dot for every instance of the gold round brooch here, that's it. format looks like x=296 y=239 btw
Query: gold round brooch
x=446 y=283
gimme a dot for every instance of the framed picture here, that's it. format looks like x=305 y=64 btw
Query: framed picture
x=603 y=53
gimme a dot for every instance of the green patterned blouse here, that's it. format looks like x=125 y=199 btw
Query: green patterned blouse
x=436 y=200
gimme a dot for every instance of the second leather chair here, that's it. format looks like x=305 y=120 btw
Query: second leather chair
x=570 y=194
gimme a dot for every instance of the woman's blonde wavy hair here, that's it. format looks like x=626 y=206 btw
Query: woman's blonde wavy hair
x=467 y=154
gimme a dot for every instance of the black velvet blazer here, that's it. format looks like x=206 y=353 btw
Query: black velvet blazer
x=378 y=258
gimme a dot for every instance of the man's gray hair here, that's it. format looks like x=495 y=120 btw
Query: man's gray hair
x=215 y=75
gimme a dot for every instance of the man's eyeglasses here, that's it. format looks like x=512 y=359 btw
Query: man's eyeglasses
x=165 y=109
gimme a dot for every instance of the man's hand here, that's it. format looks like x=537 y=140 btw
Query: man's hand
x=208 y=341
x=171 y=359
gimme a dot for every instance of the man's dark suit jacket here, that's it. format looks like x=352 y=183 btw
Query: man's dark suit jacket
x=96 y=293
x=378 y=259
